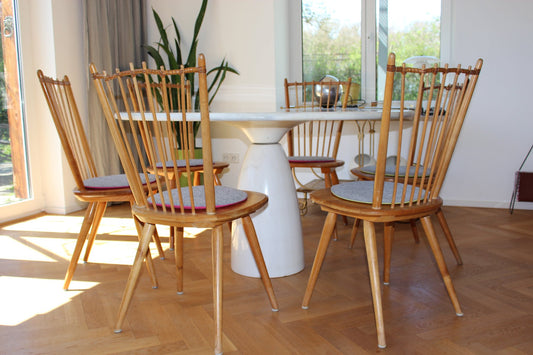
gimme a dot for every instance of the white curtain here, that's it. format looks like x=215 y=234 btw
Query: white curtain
x=116 y=32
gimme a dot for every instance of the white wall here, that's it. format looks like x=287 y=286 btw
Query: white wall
x=251 y=34
x=242 y=31
x=499 y=128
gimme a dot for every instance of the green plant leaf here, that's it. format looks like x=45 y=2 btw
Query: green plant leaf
x=219 y=78
x=191 y=58
x=160 y=28
x=177 y=42
x=156 y=56
x=176 y=60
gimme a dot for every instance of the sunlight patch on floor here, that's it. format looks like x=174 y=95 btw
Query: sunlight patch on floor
x=49 y=223
x=52 y=238
x=31 y=249
x=23 y=298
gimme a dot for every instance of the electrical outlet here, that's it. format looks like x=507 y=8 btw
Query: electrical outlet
x=230 y=157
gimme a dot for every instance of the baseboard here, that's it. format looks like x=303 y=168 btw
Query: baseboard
x=488 y=204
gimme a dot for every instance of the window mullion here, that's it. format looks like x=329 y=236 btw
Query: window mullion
x=368 y=60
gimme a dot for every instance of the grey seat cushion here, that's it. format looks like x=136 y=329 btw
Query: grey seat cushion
x=224 y=196
x=180 y=163
x=363 y=191
x=303 y=159
x=390 y=170
x=112 y=182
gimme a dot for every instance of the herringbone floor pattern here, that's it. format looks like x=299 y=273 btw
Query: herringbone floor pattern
x=494 y=286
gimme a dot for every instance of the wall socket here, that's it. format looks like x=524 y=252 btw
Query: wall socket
x=230 y=157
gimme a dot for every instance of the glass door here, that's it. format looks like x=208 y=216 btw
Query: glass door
x=14 y=182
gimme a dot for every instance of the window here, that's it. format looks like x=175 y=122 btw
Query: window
x=352 y=38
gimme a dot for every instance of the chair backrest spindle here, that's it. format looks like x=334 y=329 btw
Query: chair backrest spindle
x=157 y=103
x=66 y=117
x=442 y=98
x=316 y=138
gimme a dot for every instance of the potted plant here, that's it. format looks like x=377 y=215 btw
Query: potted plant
x=172 y=51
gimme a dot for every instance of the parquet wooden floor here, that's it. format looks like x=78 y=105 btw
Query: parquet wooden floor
x=494 y=286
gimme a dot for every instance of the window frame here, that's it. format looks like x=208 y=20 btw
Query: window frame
x=368 y=36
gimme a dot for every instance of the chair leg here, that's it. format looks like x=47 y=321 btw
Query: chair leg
x=178 y=254
x=415 y=230
x=449 y=237
x=387 y=249
x=157 y=242
x=142 y=253
x=439 y=258
x=327 y=231
x=155 y=237
x=335 y=181
x=329 y=178
x=85 y=228
x=171 y=239
x=372 y=259
x=259 y=260
x=216 y=173
x=148 y=259
x=355 y=228
x=98 y=214
x=196 y=178
x=217 y=251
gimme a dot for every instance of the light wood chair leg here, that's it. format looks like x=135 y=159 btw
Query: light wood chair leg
x=449 y=237
x=372 y=259
x=155 y=238
x=415 y=230
x=335 y=181
x=98 y=214
x=217 y=250
x=329 y=178
x=142 y=253
x=387 y=250
x=82 y=236
x=178 y=254
x=439 y=258
x=157 y=242
x=327 y=231
x=355 y=228
x=148 y=258
x=171 y=239
x=217 y=172
x=196 y=178
x=259 y=260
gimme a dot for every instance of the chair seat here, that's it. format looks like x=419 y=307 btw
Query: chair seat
x=391 y=169
x=109 y=182
x=224 y=196
x=311 y=159
x=316 y=184
x=181 y=163
x=363 y=191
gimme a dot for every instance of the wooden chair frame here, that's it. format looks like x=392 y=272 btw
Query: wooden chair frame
x=67 y=120
x=320 y=138
x=169 y=206
x=438 y=116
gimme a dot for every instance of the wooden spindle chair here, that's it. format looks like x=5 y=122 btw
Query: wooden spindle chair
x=140 y=134
x=196 y=164
x=368 y=173
x=314 y=145
x=437 y=119
x=95 y=189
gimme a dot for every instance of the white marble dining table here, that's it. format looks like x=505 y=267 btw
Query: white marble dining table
x=266 y=169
